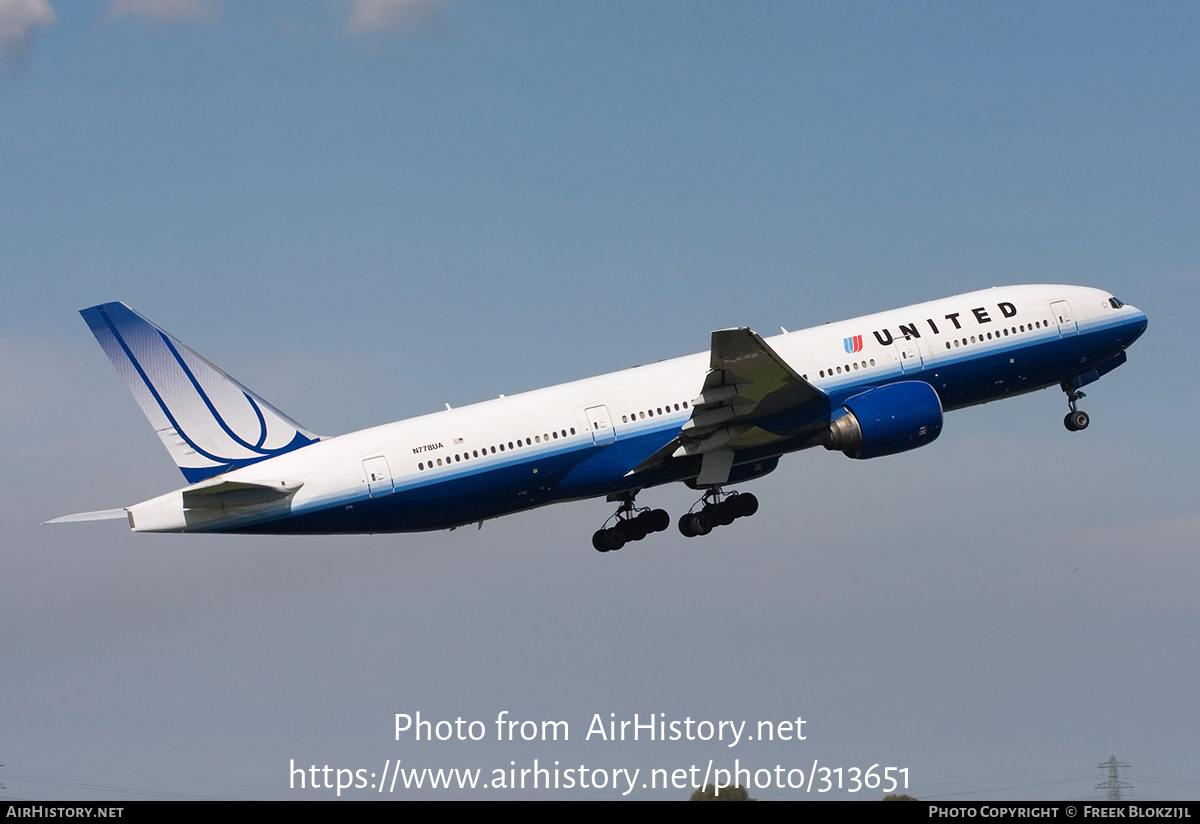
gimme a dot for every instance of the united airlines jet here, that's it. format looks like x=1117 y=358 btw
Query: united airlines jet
x=868 y=387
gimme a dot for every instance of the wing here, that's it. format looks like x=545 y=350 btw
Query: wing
x=750 y=397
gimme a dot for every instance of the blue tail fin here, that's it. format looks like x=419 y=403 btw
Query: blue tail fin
x=209 y=422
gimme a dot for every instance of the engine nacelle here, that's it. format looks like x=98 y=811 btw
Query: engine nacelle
x=886 y=420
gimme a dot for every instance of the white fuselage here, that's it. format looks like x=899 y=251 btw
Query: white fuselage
x=586 y=437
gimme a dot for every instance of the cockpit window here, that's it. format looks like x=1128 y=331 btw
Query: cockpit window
x=1116 y=304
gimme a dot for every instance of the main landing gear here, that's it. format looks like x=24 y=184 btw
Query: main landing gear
x=1076 y=420
x=630 y=524
x=718 y=509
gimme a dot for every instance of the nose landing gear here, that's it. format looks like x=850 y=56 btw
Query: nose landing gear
x=1076 y=420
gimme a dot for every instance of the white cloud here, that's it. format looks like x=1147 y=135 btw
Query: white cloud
x=18 y=20
x=166 y=11
x=368 y=16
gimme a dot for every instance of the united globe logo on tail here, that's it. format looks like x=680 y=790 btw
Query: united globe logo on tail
x=853 y=344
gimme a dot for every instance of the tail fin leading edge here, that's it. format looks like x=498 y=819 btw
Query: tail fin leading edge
x=209 y=422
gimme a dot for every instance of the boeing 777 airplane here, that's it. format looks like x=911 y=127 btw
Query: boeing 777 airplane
x=868 y=387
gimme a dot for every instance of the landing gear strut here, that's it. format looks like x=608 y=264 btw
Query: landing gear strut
x=717 y=509
x=629 y=523
x=1076 y=420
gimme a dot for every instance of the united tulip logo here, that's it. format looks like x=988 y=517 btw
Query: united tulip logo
x=853 y=344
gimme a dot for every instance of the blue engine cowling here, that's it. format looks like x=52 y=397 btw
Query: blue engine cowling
x=886 y=420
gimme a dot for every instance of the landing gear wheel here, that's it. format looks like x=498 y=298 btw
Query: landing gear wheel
x=598 y=540
x=608 y=540
x=1076 y=420
x=660 y=520
x=694 y=524
x=634 y=529
x=701 y=523
x=722 y=514
x=745 y=504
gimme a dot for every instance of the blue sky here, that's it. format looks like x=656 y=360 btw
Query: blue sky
x=364 y=210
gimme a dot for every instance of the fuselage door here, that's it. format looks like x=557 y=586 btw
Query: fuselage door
x=601 y=424
x=379 y=476
x=1065 y=317
x=909 y=353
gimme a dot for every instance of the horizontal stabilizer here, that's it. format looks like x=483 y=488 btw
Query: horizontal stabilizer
x=237 y=493
x=98 y=515
x=209 y=422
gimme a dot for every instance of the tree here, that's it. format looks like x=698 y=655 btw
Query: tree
x=709 y=793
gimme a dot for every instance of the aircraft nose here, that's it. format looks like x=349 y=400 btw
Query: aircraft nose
x=1135 y=326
